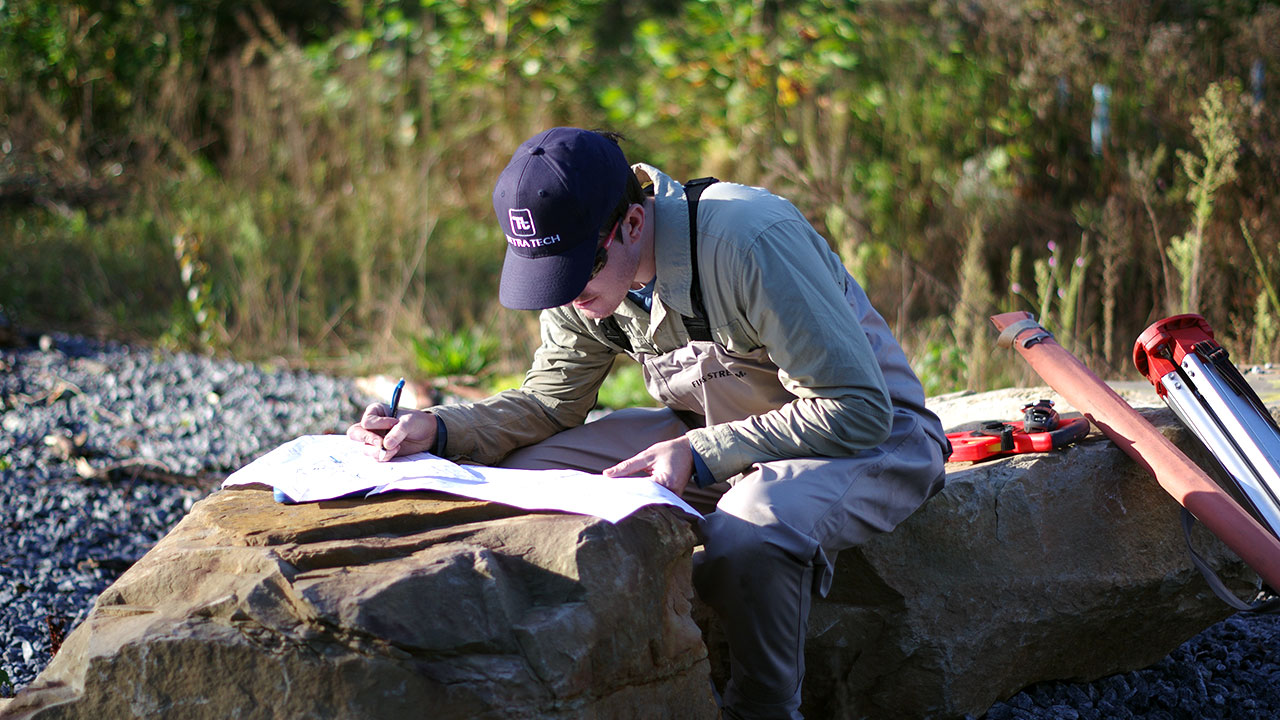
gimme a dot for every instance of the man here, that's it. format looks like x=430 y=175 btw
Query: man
x=791 y=413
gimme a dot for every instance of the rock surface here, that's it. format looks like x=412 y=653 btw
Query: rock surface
x=390 y=608
x=1063 y=565
x=1068 y=565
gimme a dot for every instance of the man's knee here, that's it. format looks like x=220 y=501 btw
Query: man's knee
x=741 y=558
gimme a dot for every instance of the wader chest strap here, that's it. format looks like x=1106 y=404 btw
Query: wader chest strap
x=614 y=334
x=696 y=325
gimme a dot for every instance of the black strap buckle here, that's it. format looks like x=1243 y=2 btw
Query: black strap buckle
x=1004 y=431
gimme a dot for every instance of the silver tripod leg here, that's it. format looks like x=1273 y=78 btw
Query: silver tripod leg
x=1233 y=429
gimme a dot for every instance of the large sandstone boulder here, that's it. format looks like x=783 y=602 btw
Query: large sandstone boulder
x=1065 y=565
x=414 y=606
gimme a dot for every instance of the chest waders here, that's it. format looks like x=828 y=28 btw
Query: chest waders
x=772 y=538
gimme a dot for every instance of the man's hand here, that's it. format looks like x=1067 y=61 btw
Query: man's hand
x=385 y=437
x=668 y=463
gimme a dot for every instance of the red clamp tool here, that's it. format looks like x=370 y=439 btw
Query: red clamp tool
x=1040 y=430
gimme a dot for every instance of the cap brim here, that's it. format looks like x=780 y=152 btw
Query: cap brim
x=545 y=282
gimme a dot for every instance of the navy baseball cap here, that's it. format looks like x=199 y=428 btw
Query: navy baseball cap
x=552 y=201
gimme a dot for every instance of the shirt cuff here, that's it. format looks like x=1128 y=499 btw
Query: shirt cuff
x=442 y=437
x=702 y=476
x=720 y=450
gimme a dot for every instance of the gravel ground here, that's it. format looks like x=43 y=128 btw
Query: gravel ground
x=105 y=447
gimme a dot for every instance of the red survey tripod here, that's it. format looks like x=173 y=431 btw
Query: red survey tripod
x=1195 y=377
x=1197 y=380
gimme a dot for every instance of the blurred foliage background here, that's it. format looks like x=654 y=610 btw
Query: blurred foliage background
x=309 y=182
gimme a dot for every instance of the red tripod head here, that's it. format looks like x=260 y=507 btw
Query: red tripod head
x=1161 y=347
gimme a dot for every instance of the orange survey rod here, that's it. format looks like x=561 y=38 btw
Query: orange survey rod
x=1176 y=473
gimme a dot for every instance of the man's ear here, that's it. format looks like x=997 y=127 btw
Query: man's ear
x=633 y=221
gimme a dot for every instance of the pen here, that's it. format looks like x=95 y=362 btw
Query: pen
x=395 y=397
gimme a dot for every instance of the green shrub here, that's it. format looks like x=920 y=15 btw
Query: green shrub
x=462 y=356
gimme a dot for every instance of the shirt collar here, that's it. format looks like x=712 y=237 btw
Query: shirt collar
x=670 y=240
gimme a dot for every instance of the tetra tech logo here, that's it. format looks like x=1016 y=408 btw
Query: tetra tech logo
x=521 y=222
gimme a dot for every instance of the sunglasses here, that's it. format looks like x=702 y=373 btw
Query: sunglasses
x=602 y=252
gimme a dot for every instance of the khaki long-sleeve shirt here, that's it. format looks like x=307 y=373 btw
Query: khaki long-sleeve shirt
x=769 y=281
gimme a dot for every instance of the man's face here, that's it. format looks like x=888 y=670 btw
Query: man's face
x=605 y=292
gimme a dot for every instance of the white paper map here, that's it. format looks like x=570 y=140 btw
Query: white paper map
x=323 y=467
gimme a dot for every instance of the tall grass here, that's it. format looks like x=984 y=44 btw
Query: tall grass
x=1207 y=169
x=319 y=190
x=342 y=217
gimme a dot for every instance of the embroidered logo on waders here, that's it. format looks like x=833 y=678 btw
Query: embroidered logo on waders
x=716 y=375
